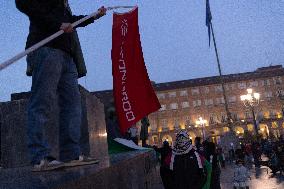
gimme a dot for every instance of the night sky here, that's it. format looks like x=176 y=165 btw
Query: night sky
x=249 y=34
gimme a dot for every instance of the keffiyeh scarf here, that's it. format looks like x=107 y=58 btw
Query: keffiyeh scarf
x=182 y=144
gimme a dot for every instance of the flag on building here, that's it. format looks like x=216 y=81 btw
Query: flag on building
x=132 y=89
x=208 y=19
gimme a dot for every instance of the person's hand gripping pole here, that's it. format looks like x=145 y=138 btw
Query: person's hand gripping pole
x=69 y=28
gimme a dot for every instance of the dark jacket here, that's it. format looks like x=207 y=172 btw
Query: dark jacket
x=164 y=151
x=211 y=156
x=46 y=17
x=187 y=173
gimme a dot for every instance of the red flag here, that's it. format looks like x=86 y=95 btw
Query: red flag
x=133 y=92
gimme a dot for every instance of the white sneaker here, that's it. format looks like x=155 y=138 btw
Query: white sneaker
x=82 y=160
x=48 y=164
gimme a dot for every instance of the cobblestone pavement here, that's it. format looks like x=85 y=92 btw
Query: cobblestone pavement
x=261 y=179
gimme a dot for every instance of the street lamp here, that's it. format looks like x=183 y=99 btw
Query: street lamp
x=251 y=100
x=281 y=98
x=202 y=123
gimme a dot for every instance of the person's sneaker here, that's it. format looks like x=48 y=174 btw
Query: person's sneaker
x=48 y=164
x=82 y=160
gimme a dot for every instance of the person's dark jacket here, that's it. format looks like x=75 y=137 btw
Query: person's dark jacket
x=46 y=17
x=187 y=173
x=212 y=157
x=165 y=172
x=164 y=151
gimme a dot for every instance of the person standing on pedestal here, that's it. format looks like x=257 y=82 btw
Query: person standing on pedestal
x=54 y=68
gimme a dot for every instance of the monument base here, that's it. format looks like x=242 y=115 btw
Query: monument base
x=129 y=170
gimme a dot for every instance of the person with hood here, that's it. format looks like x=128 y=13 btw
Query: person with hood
x=55 y=69
x=186 y=164
x=165 y=172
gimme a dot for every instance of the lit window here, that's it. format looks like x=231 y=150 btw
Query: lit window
x=272 y=113
x=212 y=118
x=227 y=87
x=253 y=84
x=196 y=103
x=223 y=117
x=232 y=99
x=163 y=107
x=208 y=102
x=187 y=121
x=161 y=95
x=267 y=82
x=248 y=115
x=242 y=85
x=268 y=94
x=176 y=123
x=266 y=114
x=164 y=123
x=218 y=88
x=217 y=101
x=185 y=104
x=220 y=100
x=226 y=129
x=277 y=80
x=199 y=102
x=174 y=106
x=261 y=83
x=206 y=90
x=183 y=93
x=195 y=91
x=172 y=94
x=234 y=116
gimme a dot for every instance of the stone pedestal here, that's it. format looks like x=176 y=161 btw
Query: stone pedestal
x=130 y=170
x=13 y=122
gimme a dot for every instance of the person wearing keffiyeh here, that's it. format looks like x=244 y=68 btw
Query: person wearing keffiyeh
x=186 y=164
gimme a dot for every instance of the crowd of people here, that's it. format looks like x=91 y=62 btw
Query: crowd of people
x=250 y=152
x=199 y=166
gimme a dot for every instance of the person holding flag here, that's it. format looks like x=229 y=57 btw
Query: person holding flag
x=54 y=68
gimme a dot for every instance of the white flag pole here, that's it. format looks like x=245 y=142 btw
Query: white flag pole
x=50 y=38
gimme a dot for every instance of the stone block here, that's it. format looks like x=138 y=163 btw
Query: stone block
x=130 y=170
x=13 y=124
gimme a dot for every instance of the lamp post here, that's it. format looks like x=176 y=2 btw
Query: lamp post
x=251 y=100
x=202 y=123
x=281 y=98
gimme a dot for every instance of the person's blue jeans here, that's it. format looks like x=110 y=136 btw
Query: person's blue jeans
x=54 y=76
